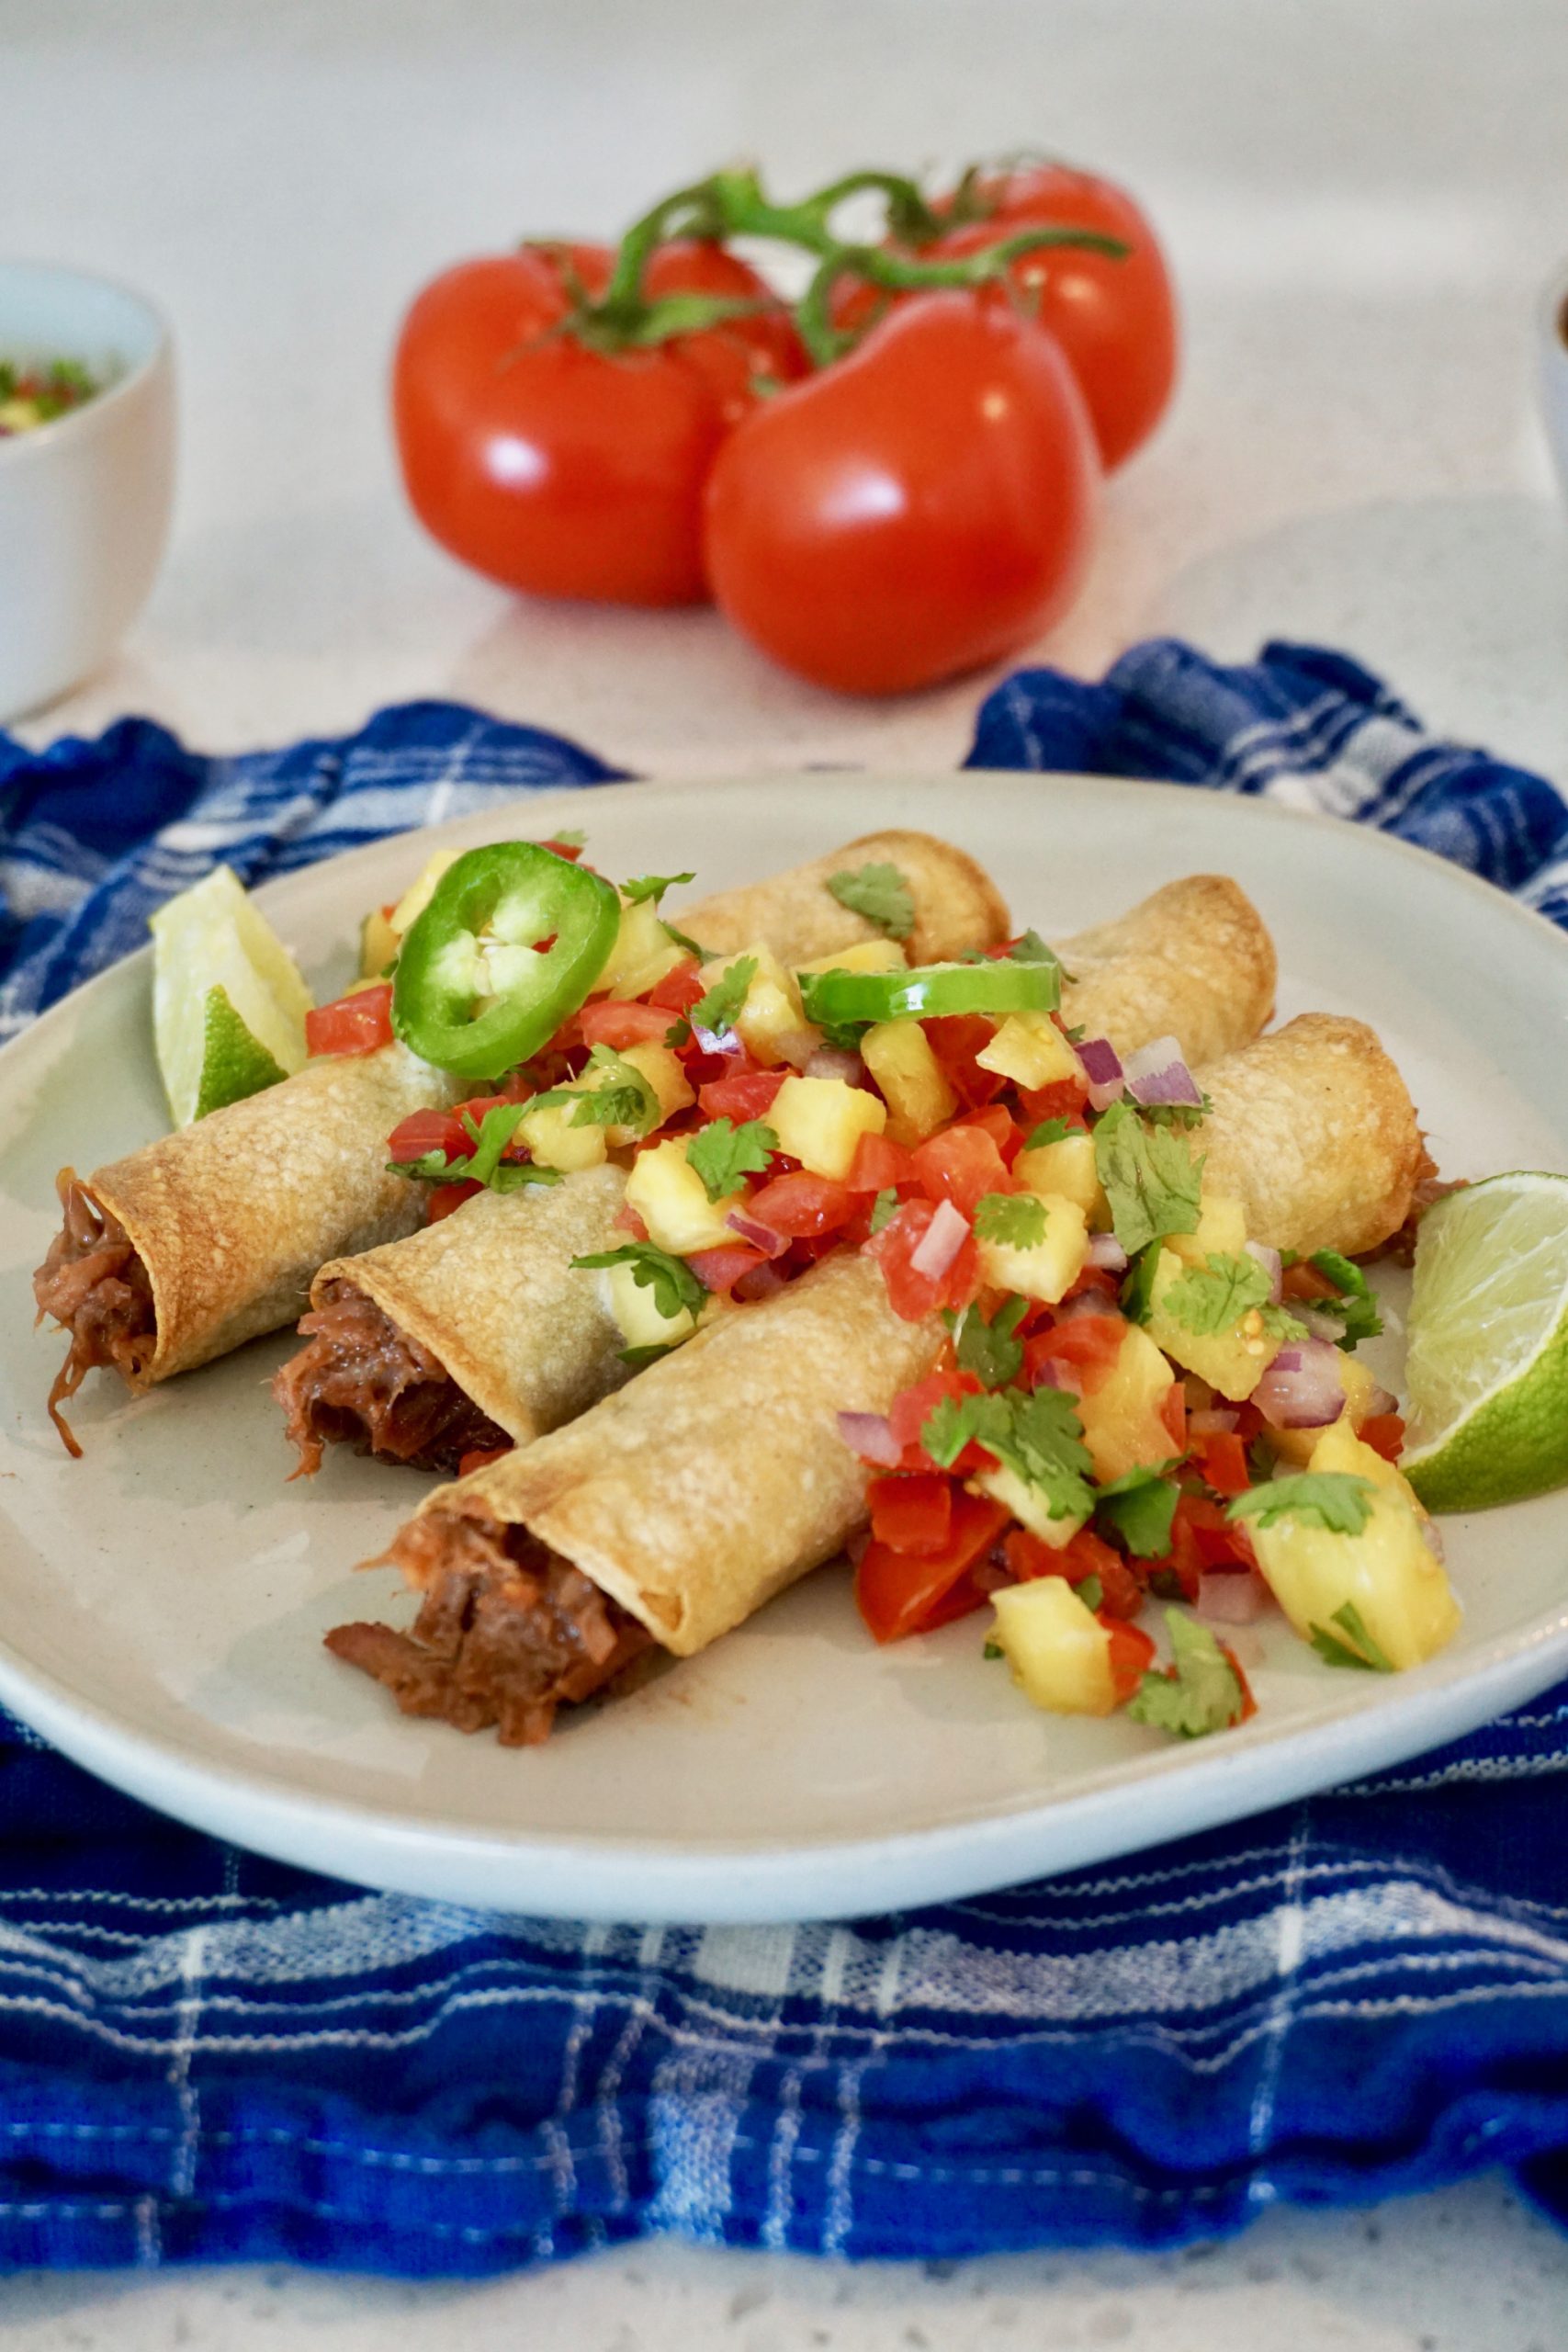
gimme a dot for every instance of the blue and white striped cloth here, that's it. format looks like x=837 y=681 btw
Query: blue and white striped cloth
x=205 y=2056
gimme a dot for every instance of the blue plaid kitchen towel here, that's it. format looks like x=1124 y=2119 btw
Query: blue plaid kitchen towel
x=204 y=2055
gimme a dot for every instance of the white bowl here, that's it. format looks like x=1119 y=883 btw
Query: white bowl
x=1552 y=325
x=83 y=502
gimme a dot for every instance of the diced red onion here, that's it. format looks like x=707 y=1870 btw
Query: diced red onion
x=1051 y=1371
x=724 y=1043
x=940 y=1242
x=1271 y=1262
x=1106 y=1252
x=1304 y=1388
x=1157 y=1073
x=1102 y=1069
x=1321 y=1326
x=771 y=1244
x=1231 y=1596
x=828 y=1062
x=1088 y=1302
x=871 y=1436
x=1380 y=1401
x=1213 y=1420
x=758 y=1283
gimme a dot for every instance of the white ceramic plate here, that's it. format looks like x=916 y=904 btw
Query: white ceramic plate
x=162 y=1601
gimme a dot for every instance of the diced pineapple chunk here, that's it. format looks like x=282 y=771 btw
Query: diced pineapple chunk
x=378 y=944
x=1386 y=1572
x=418 y=894
x=1058 y=1650
x=1030 y=1049
x=819 y=1122
x=1339 y=1448
x=899 y=1056
x=642 y=955
x=1051 y=1266
x=1296 y=1445
x=662 y=1069
x=1234 y=1361
x=1027 y=1505
x=771 y=1024
x=1122 y=1420
x=634 y=1308
x=866 y=956
x=1065 y=1167
x=555 y=1142
x=671 y=1200
x=1222 y=1230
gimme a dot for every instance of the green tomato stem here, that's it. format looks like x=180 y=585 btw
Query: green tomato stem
x=901 y=273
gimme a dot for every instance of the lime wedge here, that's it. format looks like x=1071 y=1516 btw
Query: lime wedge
x=229 y=1005
x=1487 y=1368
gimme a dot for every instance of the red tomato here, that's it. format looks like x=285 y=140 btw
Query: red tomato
x=1222 y=1462
x=1132 y=1655
x=618 y=1025
x=961 y=1165
x=448 y=1197
x=802 y=1205
x=1003 y=1130
x=921 y=508
x=879 y=1165
x=913 y=1514
x=1384 y=1432
x=721 y=1268
x=910 y=1411
x=1090 y=1343
x=1173 y=1413
x=1115 y=320
x=680 y=989
x=424 y=1131
x=899 y=1592
x=913 y=1295
x=563 y=470
x=359 y=1024
x=955 y=1038
x=748 y=1095
x=1064 y=1099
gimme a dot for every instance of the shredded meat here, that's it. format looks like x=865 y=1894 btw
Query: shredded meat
x=507 y=1632
x=360 y=1381
x=94 y=1283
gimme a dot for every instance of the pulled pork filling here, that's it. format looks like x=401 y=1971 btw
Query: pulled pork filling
x=507 y=1632
x=360 y=1381
x=94 y=1283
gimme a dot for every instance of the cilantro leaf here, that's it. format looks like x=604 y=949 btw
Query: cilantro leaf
x=1015 y=1219
x=720 y=1009
x=1039 y=1438
x=1335 y=1499
x=948 y=1428
x=1352 y=1646
x=1216 y=1296
x=1356 y=1305
x=1138 y=1286
x=879 y=893
x=652 y=886
x=1048 y=1131
x=1198 y=1692
x=570 y=837
x=1030 y=948
x=671 y=1281
x=639 y=1357
x=723 y=1153
x=884 y=1209
x=1184 y=1115
x=1149 y=1177
x=989 y=1349
x=1140 y=1506
x=484 y=1164
x=1092 y=1592
x=628 y=1101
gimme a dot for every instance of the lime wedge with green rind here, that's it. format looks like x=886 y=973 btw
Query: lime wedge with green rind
x=1487 y=1366
x=229 y=1004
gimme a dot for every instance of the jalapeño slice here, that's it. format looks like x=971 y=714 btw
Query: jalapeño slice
x=473 y=994
x=930 y=991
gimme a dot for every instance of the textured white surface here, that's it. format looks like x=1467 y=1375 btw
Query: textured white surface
x=1360 y=203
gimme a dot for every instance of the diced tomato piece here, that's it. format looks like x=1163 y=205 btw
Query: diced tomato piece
x=913 y=1514
x=1173 y=1413
x=1028 y=1556
x=627 y=1220
x=1304 y=1281
x=956 y=1039
x=478 y=1457
x=679 y=989
x=1003 y=1130
x=802 y=1205
x=1201 y=1532
x=762 y=1282
x=619 y=1024
x=719 y=1270
x=359 y=1024
x=1064 y=1099
x=424 y=1131
x=741 y=1094
x=1122 y=1588
x=1132 y=1655
x=913 y=1295
x=1090 y=1343
x=1384 y=1432
x=1221 y=1458
x=572 y=850
x=880 y=1165
x=899 y=1592
x=909 y=1413
x=448 y=1197
x=961 y=1165
x=1248 y=1704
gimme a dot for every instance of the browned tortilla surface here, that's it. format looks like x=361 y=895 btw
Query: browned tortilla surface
x=1193 y=961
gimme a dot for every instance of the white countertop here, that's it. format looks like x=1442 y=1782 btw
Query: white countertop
x=1360 y=203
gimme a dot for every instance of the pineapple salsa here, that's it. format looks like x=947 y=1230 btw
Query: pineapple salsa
x=1137 y=1411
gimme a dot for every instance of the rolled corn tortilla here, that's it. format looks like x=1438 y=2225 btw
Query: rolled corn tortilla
x=1193 y=961
x=1313 y=1131
x=413 y=1352
x=668 y=1514
x=211 y=1234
